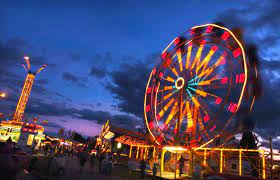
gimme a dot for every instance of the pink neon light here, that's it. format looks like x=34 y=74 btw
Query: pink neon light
x=225 y=36
x=177 y=41
x=218 y=100
x=212 y=128
x=239 y=78
x=232 y=107
x=236 y=52
x=224 y=80
x=158 y=117
x=206 y=118
x=163 y=55
x=209 y=29
x=223 y=61
x=214 y=48
x=149 y=90
x=160 y=75
x=203 y=42
x=151 y=125
x=192 y=32
x=148 y=108
x=154 y=71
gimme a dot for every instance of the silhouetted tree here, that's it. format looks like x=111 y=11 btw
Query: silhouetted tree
x=250 y=141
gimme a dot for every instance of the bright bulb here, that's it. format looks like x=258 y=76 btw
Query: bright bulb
x=2 y=95
x=119 y=145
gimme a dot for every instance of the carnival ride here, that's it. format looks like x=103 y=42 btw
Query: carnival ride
x=195 y=89
x=16 y=129
x=25 y=93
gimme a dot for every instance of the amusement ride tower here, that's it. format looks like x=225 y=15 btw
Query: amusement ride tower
x=21 y=105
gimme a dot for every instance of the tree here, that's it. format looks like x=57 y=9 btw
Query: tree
x=250 y=141
x=78 y=137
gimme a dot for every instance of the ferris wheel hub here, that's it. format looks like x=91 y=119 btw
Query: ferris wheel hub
x=179 y=83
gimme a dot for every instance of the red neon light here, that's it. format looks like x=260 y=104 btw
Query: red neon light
x=154 y=71
x=218 y=100
x=148 y=108
x=177 y=41
x=225 y=36
x=224 y=80
x=232 y=107
x=163 y=55
x=151 y=125
x=223 y=61
x=160 y=75
x=239 y=78
x=175 y=131
x=212 y=128
x=236 y=52
x=214 y=48
x=192 y=32
x=158 y=117
x=209 y=29
x=149 y=90
x=203 y=42
x=206 y=118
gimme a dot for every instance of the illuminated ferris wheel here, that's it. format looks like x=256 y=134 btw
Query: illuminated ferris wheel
x=196 y=86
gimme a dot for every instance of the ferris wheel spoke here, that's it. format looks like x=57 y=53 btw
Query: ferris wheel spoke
x=169 y=79
x=167 y=96
x=188 y=55
x=207 y=58
x=201 y=125
x=196 y=60
x=172 y=113
x=179 y=57
x=165 y=108
x=206 y=72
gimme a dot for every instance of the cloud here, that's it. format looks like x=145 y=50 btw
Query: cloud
x=261 y=24
x=97 y=72
x=73 y=78
x=128 y=86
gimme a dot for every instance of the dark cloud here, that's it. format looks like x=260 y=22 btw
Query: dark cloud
x=128 y=86
x=261 y=24
x=62 y=109
x=260 y=21
x=80 y=81
x=70 y=77
x=97 y=72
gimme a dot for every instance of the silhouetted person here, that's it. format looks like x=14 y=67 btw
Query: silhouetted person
x=9 y=140
x=181 y=165
x=142 y=168
x=154 y=171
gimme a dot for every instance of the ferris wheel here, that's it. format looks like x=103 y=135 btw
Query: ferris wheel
x=196 y=86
